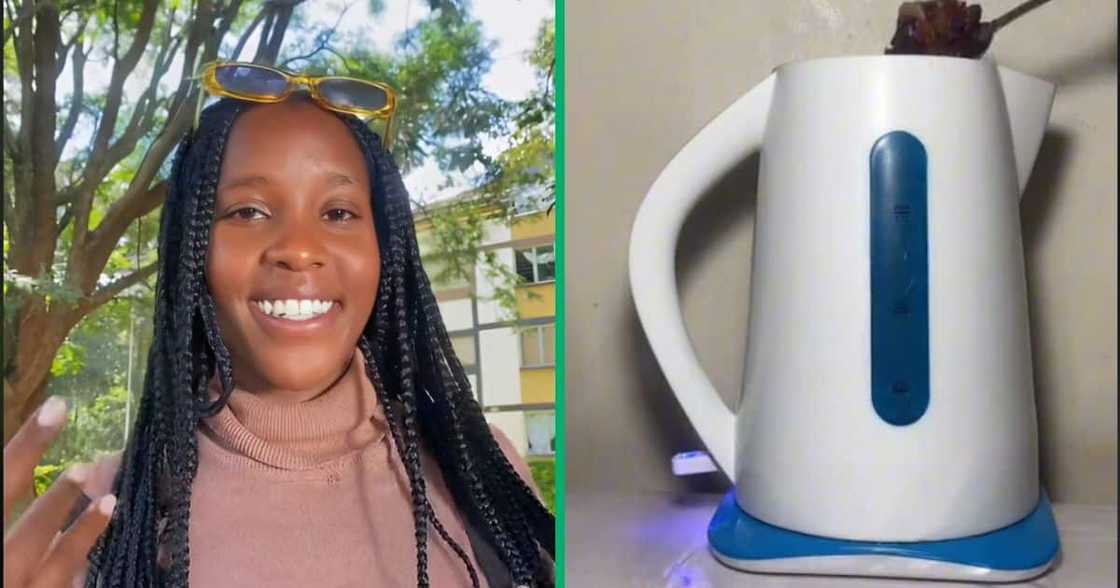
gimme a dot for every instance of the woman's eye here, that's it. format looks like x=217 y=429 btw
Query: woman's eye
x=247 y=213
x=340 y=215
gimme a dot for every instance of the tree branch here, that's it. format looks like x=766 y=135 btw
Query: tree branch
x=283 y=17
x=25 y=49
x=136 y=203
x=75 y=41
x=116 y=30
x=60 y=61
x=41 y=228
x=324 y=39
x=144 y=110
x=11 y=149
x=199 y=22
x=122 y=68
x=77 y=101
x=63 y=222
x=345 y=61
x=98 y=164
x=248 y=33
x=205 y=16
x=110 y=290
x=13 y=21
x=10 y=213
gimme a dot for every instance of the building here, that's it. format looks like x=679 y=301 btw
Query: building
x=509 y=358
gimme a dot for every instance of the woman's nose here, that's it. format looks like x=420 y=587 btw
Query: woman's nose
x=296 y=248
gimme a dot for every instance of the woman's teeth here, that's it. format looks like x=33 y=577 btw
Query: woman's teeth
x=294 y=310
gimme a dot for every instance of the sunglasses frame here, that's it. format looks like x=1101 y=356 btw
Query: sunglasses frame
x=211 y=85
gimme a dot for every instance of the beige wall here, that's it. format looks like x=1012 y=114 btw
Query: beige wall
x=643 y=77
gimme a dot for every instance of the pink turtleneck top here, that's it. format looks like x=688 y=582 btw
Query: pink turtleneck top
x=314 y=494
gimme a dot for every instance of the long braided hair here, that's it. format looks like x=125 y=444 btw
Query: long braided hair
x=419 y=382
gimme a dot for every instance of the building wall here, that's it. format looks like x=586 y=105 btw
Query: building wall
x=538 y=386
x=457 y=314
x=489 y=310
x=500 y=365
x=536 y=301
x=533 y=225
x=519 y=401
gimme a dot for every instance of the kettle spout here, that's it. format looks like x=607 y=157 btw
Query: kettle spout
x=1028 y=108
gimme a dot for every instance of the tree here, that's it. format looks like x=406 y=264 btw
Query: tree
x=63 y=219
x=82 y=170
x=520 y=178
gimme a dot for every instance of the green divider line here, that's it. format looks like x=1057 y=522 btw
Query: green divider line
x=561 y=262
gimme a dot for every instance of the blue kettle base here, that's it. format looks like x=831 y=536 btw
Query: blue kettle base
x=1020 y=551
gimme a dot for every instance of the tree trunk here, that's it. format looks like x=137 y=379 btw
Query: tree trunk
x=35 y=325
x=39 y=333
x=14 y=418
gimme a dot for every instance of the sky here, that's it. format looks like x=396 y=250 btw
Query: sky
x=511 y=24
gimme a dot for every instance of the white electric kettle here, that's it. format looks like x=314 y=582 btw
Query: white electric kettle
x=887 y=423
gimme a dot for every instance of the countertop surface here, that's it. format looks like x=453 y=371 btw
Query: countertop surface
x=660 y=540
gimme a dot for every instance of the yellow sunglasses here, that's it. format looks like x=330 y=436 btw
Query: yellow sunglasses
x=258 y=83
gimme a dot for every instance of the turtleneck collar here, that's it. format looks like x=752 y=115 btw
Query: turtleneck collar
x=301 y=435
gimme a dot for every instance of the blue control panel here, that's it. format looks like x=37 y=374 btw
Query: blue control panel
x=899 y=279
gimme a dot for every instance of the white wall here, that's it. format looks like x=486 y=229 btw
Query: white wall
x=495 y=232
x=473 y=379
x=499 y=361
x=489 y=311
x=513 y=425
x=456 y=314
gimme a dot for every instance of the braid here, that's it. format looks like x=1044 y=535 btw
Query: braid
x=161 y=457
x=411 y=451
x=485 y=486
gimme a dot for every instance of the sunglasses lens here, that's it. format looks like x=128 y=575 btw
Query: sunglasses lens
x=253 y=81
x=353 y=94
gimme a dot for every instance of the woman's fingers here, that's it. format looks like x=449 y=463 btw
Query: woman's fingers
x=68 y=557
x=35 y=553
x=28 y=539
x=101 y=477
x=26 y=448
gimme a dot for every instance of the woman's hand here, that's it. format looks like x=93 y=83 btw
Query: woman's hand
x=37 y=552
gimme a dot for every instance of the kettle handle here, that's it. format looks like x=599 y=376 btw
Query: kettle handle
x=711 y=154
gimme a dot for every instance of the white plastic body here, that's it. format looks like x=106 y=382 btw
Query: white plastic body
x=807 y=450
x=881 y=566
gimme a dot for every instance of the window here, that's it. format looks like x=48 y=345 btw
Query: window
x=464 y=350
x=537 y=346
x=540 y=428
x=536 y=264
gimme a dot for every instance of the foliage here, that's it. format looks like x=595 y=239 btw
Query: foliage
x=83 y=165
x=521 y=178
x=70 y=215
x=92 y=430
x=443 y=111
x=45 y=475
x=544 y=475
x=524 y=172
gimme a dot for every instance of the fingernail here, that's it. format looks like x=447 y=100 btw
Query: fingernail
x=52 y=413
x=78 y=473
x=106 y=505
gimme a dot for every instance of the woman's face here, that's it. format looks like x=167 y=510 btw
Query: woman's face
x=293 y=264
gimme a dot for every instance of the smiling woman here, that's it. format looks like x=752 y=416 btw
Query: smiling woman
x=305 y=420
x=296 y=280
